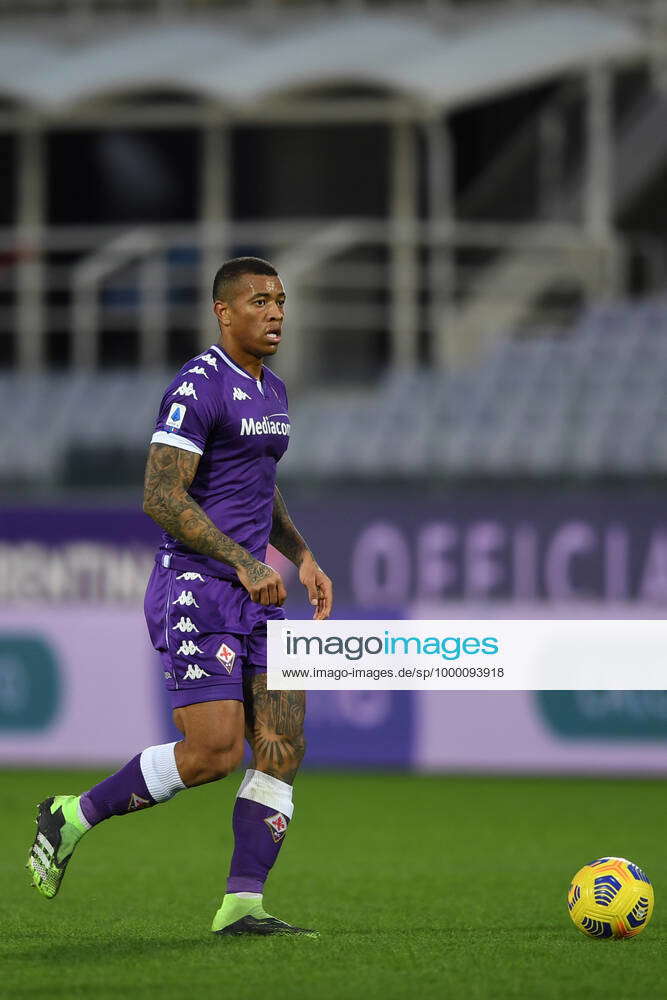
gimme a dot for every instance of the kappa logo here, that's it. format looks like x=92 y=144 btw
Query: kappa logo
x=190 y=576
x=175 y=417
x=188 y=648
x=184 y=625
x=136 y=802
x=197 y=370
x=185 y=389
x=210 y=359
x=277 y=824
x=194 y=673
x=226 y=656
x=239 y=393
x=186 y=598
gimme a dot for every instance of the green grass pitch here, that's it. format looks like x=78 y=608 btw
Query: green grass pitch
x=420 y=886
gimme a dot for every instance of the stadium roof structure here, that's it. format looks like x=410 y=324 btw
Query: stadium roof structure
x=208 y=73
x=237 y=69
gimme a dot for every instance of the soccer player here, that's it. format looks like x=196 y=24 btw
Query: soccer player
x=211 y=485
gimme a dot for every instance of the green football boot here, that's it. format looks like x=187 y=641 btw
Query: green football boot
x=248 y=916
x=59 y=829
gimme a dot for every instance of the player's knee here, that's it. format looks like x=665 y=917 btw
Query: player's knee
x=216 y=761
x=225 y=759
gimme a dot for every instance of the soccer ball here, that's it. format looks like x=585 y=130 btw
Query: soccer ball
x=610 y=898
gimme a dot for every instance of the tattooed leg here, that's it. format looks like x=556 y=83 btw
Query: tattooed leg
x=263 y=808
x=274 y=728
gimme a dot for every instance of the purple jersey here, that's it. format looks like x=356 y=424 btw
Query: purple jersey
x=240 y=427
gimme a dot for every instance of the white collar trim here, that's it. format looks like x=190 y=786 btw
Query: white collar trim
x=239 y=371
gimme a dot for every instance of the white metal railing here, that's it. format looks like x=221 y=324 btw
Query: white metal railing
x=81 y=287
x=143 y=249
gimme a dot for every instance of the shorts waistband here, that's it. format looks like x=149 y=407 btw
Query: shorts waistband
x=172 y=560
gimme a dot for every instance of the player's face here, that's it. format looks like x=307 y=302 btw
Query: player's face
x=252 y=320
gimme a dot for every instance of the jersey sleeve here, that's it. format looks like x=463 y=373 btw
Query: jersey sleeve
x=186 y=417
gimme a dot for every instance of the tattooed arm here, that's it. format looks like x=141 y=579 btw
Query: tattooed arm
x=169 y=473
x=285 y=537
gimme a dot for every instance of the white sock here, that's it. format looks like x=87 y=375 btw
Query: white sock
x=158 y=766
x=247 y=895
x=82 y=817
x=266 y=790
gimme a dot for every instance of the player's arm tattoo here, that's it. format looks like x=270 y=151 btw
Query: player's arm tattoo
x=169 y=473
x=274 y=728
x=284 y=536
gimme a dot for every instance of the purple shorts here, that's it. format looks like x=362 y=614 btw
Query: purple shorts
x=208 y=632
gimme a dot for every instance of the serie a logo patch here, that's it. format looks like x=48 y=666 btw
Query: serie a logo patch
x=175 y=418
x=277 y=824
x=226 y=656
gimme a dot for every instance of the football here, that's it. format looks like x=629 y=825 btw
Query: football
x=610 y=898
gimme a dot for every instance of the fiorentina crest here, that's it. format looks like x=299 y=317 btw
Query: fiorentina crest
x=136 y=802
x=277 y=824
x=226 y=656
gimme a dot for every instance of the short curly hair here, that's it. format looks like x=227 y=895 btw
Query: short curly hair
x=233 y=269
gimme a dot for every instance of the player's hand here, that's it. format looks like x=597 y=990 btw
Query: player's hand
x=318 y=585
x=264 y=585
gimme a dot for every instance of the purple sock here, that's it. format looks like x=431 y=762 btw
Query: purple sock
x=261 y=816
x=149 y=778
x=125 y=791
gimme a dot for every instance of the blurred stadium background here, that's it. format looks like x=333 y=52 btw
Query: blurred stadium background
x=466 y=201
